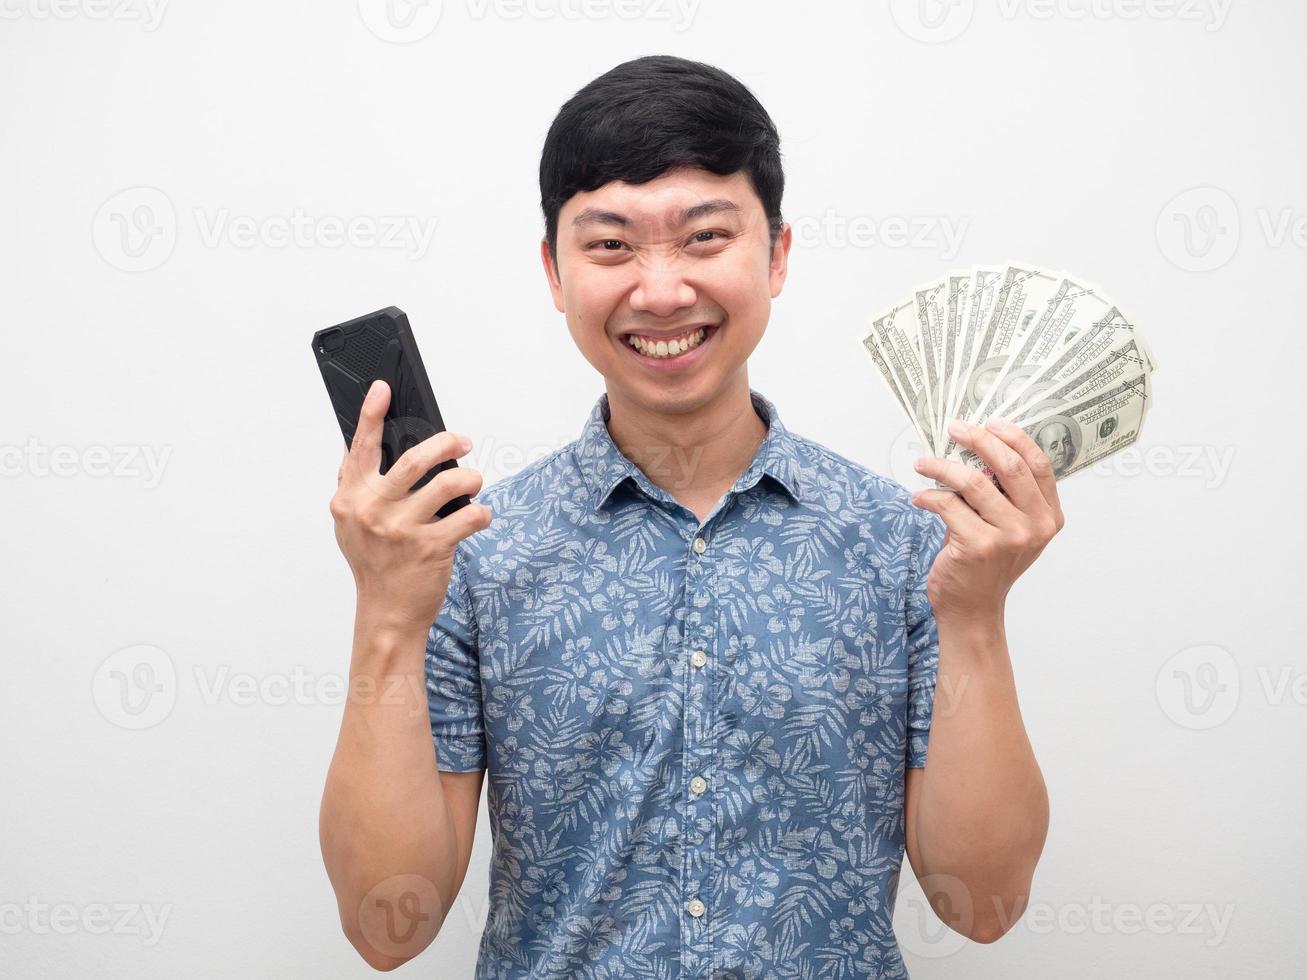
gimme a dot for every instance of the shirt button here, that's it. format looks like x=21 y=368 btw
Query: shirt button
x=695 y=908
x=700 y=546
x=698 y=784
x=698 y=658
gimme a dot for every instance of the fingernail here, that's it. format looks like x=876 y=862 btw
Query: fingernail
x=998 y=424
x=919 y=464
x=465 y=443
x=956 y=429
x=374 y=389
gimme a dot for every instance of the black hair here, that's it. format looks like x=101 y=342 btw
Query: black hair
x=653 y=114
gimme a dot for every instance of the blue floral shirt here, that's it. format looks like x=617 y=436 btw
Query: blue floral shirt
x=695 y=734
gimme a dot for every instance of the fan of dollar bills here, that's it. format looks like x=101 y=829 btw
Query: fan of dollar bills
x=1046 y=350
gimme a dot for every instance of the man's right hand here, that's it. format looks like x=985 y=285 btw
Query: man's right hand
x=401 y=554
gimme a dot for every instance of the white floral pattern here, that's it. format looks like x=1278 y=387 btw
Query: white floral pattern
x=563 y=663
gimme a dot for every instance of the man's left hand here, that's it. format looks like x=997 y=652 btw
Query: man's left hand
x=993 y=535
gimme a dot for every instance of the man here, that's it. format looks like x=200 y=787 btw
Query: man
x=695 y=655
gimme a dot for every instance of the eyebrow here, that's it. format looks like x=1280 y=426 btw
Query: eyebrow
x=717 y=205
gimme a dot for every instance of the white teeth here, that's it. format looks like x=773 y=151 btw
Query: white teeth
x=667 y=348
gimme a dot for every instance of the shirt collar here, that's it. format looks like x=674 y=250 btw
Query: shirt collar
x=604 y=467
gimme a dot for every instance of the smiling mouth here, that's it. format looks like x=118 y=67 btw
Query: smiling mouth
x=669 y=348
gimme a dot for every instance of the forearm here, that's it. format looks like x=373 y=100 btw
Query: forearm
x=983 y=813
x=383 y=811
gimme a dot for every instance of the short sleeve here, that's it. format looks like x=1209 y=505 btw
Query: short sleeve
x=922 y=641
x=453 y=673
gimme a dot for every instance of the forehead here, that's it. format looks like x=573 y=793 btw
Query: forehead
x=663 y=201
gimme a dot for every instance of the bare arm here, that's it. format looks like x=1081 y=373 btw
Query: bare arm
x=976 y=817
x=396 y=834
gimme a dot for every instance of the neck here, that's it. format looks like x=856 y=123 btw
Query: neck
x=694 y=453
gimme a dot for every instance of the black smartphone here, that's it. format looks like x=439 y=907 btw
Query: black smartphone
x=353 y=354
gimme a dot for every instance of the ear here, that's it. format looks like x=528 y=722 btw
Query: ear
x=551 y=273
x=780 y=259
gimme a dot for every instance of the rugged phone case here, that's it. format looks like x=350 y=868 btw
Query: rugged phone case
x=352 y=355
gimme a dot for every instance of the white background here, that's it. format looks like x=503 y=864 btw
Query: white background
x=1072 y=134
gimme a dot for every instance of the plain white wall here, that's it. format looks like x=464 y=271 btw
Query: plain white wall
x=169 y=451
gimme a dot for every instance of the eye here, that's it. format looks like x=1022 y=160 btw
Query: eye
x=709 y=236
x=605 y=244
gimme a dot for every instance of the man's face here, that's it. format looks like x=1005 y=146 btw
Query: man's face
x=1055 y=440
x=660 y=261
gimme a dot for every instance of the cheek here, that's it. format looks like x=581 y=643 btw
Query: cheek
x=590 y=303
x=743 y=292
x=747 y=282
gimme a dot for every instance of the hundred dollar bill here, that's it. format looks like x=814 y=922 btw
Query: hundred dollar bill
x=1074 y=306
x=1085 y=348
x=892 y=347
x=1083 y=432
x=981 y=296
x=932 y=306
x=1022 y=295
x=955 y=311
x=1122 y=361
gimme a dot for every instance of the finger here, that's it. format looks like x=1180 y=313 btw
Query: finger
x=341 y=471
x=365 y=447
x=1008 y=465
x=415 y=461
x=957 y=514
x=975 y=487
x=1041 y=468
x=464 y=521
x=444 y=487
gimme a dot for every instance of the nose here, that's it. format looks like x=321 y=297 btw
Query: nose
x=662 y=290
